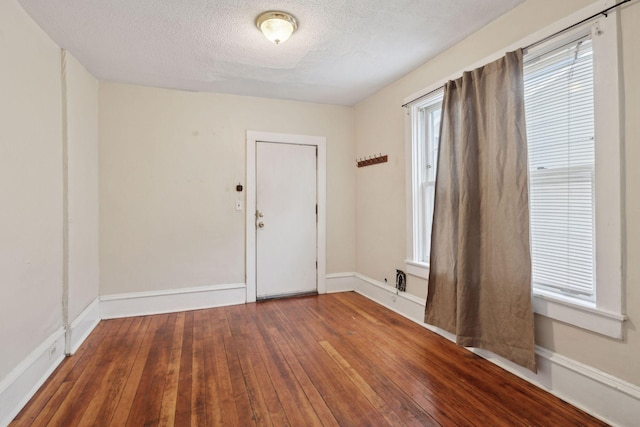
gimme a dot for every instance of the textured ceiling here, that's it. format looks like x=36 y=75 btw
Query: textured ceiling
x=343 y=51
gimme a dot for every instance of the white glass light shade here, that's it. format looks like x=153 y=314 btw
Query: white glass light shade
x=276 y=26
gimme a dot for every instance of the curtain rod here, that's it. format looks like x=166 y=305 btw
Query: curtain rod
x=536 y=43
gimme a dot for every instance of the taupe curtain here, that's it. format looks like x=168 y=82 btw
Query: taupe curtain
x=480 y=266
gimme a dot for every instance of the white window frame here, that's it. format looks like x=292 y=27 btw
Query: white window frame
x=416 y=265
x=604 y=316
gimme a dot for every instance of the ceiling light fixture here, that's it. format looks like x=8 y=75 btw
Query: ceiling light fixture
x=277 y=26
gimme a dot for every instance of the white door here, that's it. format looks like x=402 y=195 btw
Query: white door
x=286 y=225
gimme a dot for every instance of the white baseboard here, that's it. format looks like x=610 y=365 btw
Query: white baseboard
x=82 y=326
x=23 y=382
x=171 y=301
x=339 y=282
x=604 y=396
x=402 y=303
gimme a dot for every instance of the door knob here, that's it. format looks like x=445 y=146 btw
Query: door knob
x=260 y=224
x=259 y=214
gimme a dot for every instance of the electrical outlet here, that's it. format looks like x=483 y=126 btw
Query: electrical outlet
x=52 y=352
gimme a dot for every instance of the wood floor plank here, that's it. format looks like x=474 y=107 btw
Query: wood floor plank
x=170 y=393
x=298 y=410
x=213 y=398
x=327 y=360
x=241 y=396
x=123 y=407
x=182 y=415
x=347 y=404
x=220 y=375
x=102 y=405
x=198 y=386
x=365 y=389
x=47 y=412
x=145 y=409
x=378 y=375
x=316 y=401
x=262 y=388
x=259 y=408
x=85 y=386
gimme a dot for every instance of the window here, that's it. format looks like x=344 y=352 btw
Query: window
x=426 y=131
x=573 y=137
x=573 y=132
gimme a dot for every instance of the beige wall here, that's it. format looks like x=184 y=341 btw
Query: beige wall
x=30 y=187
x=169 y=164
x=380 y=190
x=82 y=186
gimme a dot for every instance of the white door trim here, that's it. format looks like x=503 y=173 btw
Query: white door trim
x=250 y=232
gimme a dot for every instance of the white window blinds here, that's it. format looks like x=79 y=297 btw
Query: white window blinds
x=560 y=133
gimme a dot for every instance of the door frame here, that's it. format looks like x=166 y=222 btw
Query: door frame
x=253 y=137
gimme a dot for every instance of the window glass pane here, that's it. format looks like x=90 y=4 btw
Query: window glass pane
x=432 y=143
x=425 y=139
x=428 y=197
x=560 y=135
x=431 y=128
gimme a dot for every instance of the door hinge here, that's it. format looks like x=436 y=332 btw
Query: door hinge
x=316 y=265
x=316 y=209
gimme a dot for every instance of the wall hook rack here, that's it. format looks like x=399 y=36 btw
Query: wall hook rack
x=371 y=160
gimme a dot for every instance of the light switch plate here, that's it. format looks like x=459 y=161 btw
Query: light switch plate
x=238 y=205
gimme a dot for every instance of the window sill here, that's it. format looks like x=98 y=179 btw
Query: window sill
x=417 y=268
x=580 y=314
x=583 y=315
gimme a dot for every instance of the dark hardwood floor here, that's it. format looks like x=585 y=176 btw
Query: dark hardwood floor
x=331 y=360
